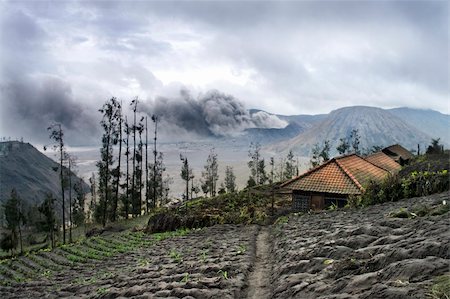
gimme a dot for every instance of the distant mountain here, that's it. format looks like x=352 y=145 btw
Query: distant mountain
x=270 y=135
x=29 y=171
x=375 y=126
x=296 y=125
x=434 y=123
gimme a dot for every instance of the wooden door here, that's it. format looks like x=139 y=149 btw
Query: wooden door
x=317 y=202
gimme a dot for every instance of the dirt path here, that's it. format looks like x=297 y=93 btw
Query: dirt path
x=259 y=278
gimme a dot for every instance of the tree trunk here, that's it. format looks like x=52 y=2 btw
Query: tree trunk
x=62 y=188
x=133 y=185
x=105 y=207
x=146 y=167
x=70 y=200
x=154 y=162
x=128 y=172
x=116 y=199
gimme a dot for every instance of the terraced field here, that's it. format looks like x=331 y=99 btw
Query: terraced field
x=207 y=263
x=363 y=253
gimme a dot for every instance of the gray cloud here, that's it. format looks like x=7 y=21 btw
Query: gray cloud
x=280 y=56
x=30 y=106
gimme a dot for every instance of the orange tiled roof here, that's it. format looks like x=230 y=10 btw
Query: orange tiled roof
x=382 y=160
x=342 y=175
x=398 y=151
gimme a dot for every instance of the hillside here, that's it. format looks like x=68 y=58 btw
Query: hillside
x=29 y=171
x=375 y=126
x=436 y=124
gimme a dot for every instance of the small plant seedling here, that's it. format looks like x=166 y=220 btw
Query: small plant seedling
x=144 y=262
x=101 y=290
x=224 y=274
x=47 y=273
x=185 y=278
x=204 y=255
x=242 y=249
x=175 y=256
x=328 y=262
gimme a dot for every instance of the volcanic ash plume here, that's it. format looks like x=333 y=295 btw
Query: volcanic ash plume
x=212 y=114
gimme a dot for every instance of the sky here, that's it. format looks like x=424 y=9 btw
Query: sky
x=61 y=60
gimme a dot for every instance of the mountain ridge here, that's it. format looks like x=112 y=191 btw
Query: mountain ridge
x=30 y=172
x=376 y=126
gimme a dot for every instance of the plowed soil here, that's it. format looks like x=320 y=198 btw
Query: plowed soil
x=362 y=253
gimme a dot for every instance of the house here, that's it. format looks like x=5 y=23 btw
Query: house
x=398 y=153
x=333 y=182
x=382 y=160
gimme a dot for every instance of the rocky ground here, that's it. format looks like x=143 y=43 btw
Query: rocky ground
x=362 y=253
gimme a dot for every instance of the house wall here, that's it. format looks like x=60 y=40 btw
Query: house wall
x=303 y=201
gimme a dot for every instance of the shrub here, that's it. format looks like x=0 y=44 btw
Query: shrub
x=415 y=184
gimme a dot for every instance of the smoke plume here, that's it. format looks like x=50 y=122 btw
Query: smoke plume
x=212 y=114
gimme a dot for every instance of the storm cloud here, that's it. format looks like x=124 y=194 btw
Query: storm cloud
x=284 y=57
x=211 y=114
x=30 y=106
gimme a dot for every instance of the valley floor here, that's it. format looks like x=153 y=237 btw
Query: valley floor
x=340 y=254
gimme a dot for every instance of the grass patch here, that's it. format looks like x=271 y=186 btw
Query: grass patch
x=441 y=287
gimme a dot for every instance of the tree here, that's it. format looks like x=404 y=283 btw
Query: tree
x=262 y=172
x=290 y=170
x=126 y=198
x=49 y=222
x=15 y=218
x=134 y=104
x=230 y=180
x=156 y=184
x=325 y=152
x=57 y=134
x=93 y=203
x=155 y=120
x=315 y=156
x=111 y=113
x=343 y=146
x=71 y=162
x=272 y=170
x=435 y=147
x=138 y=171
x=210 y=174
x=79 y=214
x=257 y=169
x=117 y=172
x=354 y=141
x=320 y=154
x=186 y=174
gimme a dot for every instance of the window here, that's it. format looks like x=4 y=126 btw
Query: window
x=300 y=202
